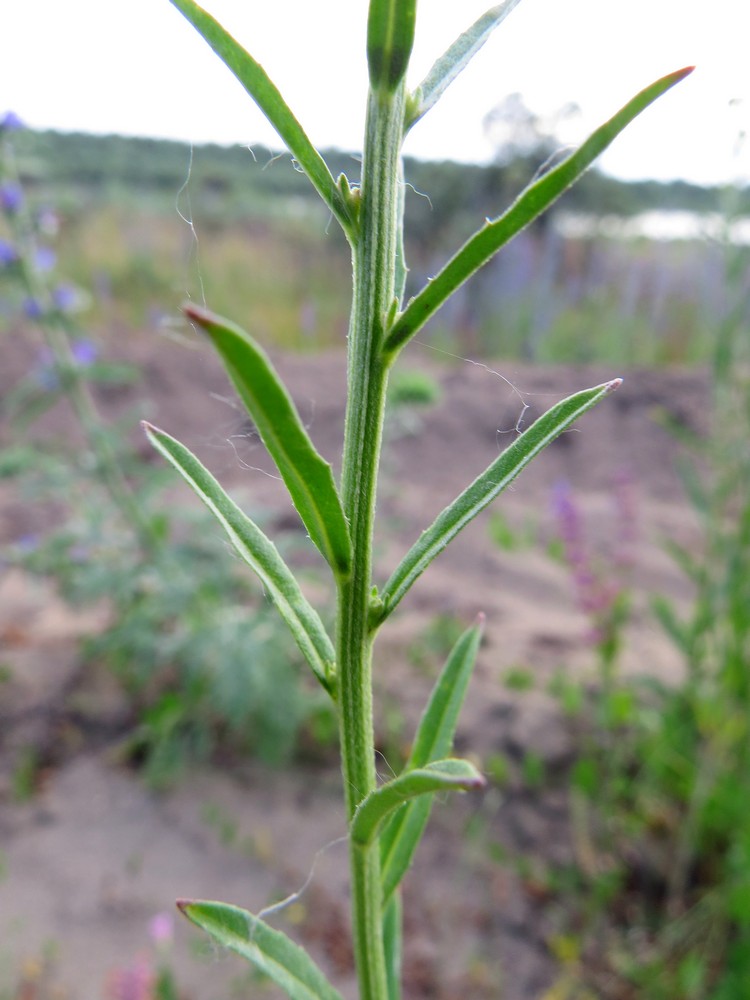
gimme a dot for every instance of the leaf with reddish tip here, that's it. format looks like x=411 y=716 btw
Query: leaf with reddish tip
x=447 y=775
x=484 y=489
x=530 y=204
x=307 y=476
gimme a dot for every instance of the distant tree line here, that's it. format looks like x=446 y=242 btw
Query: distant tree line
x=443 y=203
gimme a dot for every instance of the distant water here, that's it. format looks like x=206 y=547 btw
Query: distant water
x=657 y=226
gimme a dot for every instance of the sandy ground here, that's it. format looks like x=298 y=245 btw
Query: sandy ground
x=93 y=856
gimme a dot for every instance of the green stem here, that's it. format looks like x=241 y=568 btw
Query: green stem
x=374 y=265
x=79 y=396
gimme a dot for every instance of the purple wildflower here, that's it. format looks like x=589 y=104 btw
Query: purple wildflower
x=161 y=929
x=11 y=197
x=65 y=298
x=596 y=596
x=33 y=308
x=85 y=352
x=44 y=259
x=10 y=122
x=28 y=543
x=8 y=254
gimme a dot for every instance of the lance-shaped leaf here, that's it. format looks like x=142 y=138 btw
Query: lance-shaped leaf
x=263 y=91
x=447 y=775
x=269 y=950
x=534 y=200
x=485 y=488
x=307 y=476
x=454 y=60
x=433 y=740
x=260 y=553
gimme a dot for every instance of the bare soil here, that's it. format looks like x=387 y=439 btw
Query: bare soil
x=93 y=855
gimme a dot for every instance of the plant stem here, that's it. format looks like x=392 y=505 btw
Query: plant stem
x=374 y=268
x=105 y=461
x=74 y=385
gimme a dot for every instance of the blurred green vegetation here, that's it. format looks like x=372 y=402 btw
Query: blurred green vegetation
x=145 y=223
x=654 y=902
x=204 y=665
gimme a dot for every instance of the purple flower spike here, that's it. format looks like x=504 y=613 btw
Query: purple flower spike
x=11 y=198
x=10 y=122
x=65 y=298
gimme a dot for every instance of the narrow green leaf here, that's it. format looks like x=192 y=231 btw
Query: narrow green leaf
x=678 y=631
x=451 y=774
x=399 y=842
x=259 y=553
x=392 y=938
x=308 y=477
x=271 y=951
x=485 y=488
x=534 y=200
x=390 y=38
x=433 y=740
x=454 y=60
x=256 y=82
x=437 y=726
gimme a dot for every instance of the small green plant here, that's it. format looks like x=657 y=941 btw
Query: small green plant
x=385 y=821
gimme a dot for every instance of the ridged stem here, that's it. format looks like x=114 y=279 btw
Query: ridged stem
x=374 y=259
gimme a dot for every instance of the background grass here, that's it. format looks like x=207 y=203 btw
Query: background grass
x=252 y=248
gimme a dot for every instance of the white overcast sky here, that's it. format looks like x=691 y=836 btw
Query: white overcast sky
x=136 y=67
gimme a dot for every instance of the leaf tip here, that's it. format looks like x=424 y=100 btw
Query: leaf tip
x=197 y=313
x=611 y=386
x=183 y=905
x=476 y=783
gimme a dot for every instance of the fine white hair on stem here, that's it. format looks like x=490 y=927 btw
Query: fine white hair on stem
x=379 y=753
x=295 y=896
x=187 y=217
x=419 y=194
x=232 y=441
